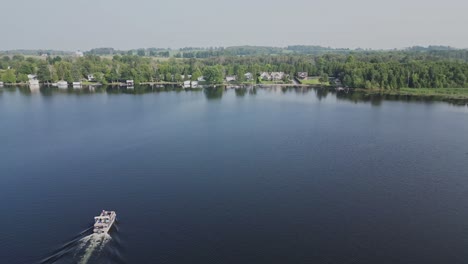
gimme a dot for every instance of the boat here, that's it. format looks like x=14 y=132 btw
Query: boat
x=76 y=85
x=34 y=82
x=104 y=222
x=62 y=84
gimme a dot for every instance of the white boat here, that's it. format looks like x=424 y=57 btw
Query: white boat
x=76 y=84
x=33 y=82
x=1 y=84
x=104 y=222
x=62 y=84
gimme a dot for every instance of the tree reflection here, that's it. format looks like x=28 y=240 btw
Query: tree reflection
x=321 y=93
x=213 y=93
x=240 y=92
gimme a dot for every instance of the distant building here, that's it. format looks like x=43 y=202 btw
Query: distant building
x=33 y=81
x=248 y=76
x=45 y=55
x=302 y=75
x=79 y=54
x=231 y=78
x=90 y=77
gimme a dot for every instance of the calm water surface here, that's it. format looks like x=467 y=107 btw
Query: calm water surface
x=235 y=176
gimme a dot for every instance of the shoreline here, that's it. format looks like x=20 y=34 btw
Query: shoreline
x=448 y=93
x=452 y=95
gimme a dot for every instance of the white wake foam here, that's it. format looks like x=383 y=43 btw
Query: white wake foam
x=92 y=245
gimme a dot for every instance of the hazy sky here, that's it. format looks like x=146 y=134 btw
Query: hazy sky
x=86 y=24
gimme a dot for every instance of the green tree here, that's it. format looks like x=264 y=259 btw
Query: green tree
x=323 y=78
x=43 y=73
x=141 y=52
x=76 y=72
x=63 y=69
x=196 y=74
x=213 y=75
x=9 y=76
x=22 y=78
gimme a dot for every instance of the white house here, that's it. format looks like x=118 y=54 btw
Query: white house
x=79 y=53
x=302 y=75
x=265 y=76
x=201 y=79
x=277 y=76
x=248 y=76
x=130 y=83
x=90 y=77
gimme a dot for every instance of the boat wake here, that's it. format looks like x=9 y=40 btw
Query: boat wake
x=85 y=249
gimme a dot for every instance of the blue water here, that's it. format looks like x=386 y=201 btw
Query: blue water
x=251 y=176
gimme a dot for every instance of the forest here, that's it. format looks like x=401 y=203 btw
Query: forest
x=396 y=69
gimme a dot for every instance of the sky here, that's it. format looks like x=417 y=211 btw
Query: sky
x=86 y=24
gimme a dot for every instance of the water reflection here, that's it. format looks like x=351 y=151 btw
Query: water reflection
x=216 y=93
x=240 y=92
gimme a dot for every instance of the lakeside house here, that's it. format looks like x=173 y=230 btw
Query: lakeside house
x=79 y=54
x=248 y=76
x=33 y=81
x=130 y=83
x=201 y=79
x=231 y=78
x=277 y=76
x=302 y=75
x=91 y=77
x=265 y=76
x=1 y=84
x=273 y=76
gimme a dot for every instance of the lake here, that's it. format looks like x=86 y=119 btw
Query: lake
x=266 y=175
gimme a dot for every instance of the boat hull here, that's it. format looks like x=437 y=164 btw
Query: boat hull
x=104 y=222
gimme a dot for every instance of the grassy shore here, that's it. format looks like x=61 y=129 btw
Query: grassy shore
x=454 y=95
x=449 y=93
x=313 y=81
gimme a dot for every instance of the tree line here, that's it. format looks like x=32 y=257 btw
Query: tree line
x=383 y=70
